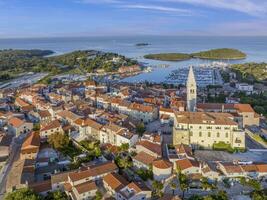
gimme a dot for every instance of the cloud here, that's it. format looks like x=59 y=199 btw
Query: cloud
x=157 y=8
x=251 y=7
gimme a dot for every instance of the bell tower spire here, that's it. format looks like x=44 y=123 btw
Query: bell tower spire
x=191 y=88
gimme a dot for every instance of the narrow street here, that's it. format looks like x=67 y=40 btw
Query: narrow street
x=14 y=155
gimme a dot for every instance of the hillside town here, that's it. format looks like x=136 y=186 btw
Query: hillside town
x=115 y=140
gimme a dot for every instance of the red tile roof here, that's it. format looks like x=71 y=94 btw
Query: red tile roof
x=144 y=158
x=186 y=163
x=162 y=164
x=115 y=181
x=16 y=122
x=156 y=148
x=85 y=187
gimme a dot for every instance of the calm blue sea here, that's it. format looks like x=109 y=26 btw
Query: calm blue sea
x=254 y=47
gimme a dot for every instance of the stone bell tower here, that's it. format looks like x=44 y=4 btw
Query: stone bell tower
x=191 y=88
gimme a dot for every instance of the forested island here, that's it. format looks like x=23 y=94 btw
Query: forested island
x=168 y=56
x=14 y=62
x=142 y=44
x=213 y=54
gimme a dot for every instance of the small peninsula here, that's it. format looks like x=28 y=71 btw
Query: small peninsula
x=13 y=62
x=250 y=72
x=213 y=54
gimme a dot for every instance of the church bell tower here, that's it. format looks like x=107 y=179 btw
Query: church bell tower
x=191 y=88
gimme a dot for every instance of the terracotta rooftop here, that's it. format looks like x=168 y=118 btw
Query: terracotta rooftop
x=144 y=158
x=244 y=108
x=85 y=187
x=16 y=122
x=231 y=168
x=44 y=113
x=262 y=168
x=215 y=106
x=249 y=168
x=21 y=102
x=162 y=164
x=33 y=140
x=60 y=177
x=88 y=122
x=41 y=186
x=93 y=171
x=141 y=107
x=184 y=149
x=205 y=118
x=186 y=163
x=156 y=148
x=115 y=181
x=51 y=125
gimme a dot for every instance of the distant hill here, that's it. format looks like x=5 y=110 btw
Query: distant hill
x=213 y=54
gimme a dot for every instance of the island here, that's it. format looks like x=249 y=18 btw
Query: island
x=142 y=44
x=220 y=54
x=13 y=63
x=213 y=54
x=168 y=56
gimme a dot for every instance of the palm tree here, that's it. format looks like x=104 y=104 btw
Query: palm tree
x=173 y=187
x=157 y=188
x=205 y=184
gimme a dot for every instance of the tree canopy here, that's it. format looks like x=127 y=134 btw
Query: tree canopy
x=58 y=140
x=24 y=193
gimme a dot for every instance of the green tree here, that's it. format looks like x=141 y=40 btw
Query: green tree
x=259 y=195
x=140 y=129
x=36 y=127
x=56 y=195
x=205 y=184
x=97 y=152
x=98 y=195
x=124 y=147
x=173 y=187
x=157 y=189
x=59 y=140
x=123 y=163
x=24 y=193
x=259 y=109
x=184 y=183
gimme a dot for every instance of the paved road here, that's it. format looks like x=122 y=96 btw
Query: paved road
x=252 y=144
x=14 y=155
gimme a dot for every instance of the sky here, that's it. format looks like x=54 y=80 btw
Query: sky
x=56 y=18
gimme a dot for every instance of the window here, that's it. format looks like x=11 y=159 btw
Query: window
x=209 y=134
x=218 y=134
x=226 y=134
x=200 y=127
x=200 y=134
x=191 y=133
